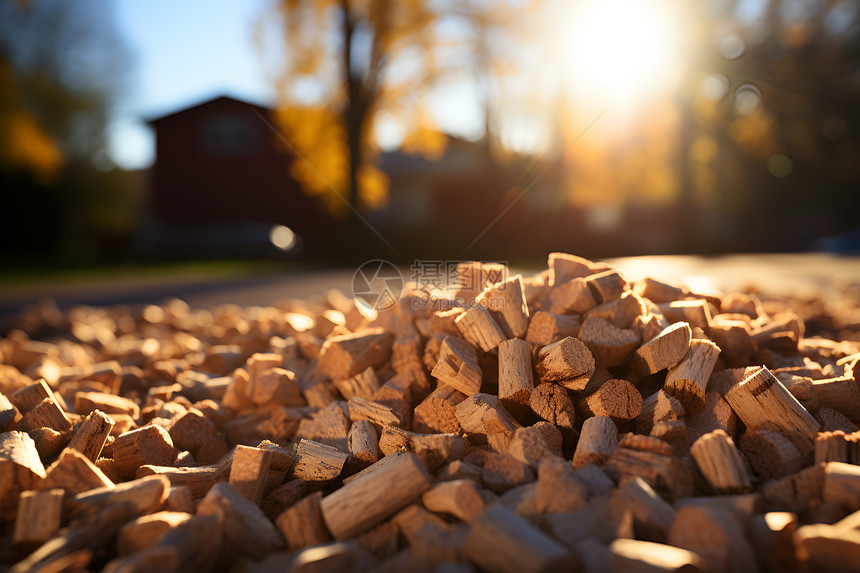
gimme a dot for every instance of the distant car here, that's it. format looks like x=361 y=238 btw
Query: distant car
x=847 y=243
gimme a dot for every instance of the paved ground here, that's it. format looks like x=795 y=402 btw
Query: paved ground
x=793 y=273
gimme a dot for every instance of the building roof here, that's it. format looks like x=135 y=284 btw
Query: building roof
x=207 y=103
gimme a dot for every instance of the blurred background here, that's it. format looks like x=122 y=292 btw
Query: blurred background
x=332 y=132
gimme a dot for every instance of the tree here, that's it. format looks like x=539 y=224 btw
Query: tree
x=352 y=63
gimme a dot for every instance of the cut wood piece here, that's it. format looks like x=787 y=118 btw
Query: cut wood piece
x=412 y=519
x=378 y=414
x=828 y=548
x=772 y=535
x=502 y=541
x=191 y=430
x=29 y=396
x=654 y=461
x=459 y=469
x=484 y=419
x=597 y=440
x=460 y=498
x=368 y=500
x=717 y=415
x=9 y=414
x=716 y=536
x=364 y=385
x=695 y=312
x=842 y=484
x=656 y=408
x=363 y=443
x=573 y=296
x=249 y=471
x=434 y=450
x=245 y=526
x=193 y=545
x=609 y=344
x=397 y=394
x=635 y=556
x=346 y=355
x=649 y=325
x=437 y=414
x=302 y=524
x=20 y=468
x=38 y=518
x=607 y=285
x=652 y=515
x=516 y=381
x=472 y=277
x=720 y=463
x=659 y=291
x=743 y=506
x=558 y=490
x=198 y=479
x=327 y=426
x=49 y=442
x=797 y=491
x=842 y=394
x=45 y=414
x=318 y=462
x=762 y=402
x=663 y=351
x=143 y=495
x=480 y=329
x=831 y=420
x=282 y=497
x=73 y=473
x=502 y=472
x=147 y=530
x=86 y=402
x=688 y=379
x=552 y=403
x=458 y=366
x=90 y=437
x=546 y=327
x=535 y=443
x=568 y=362
x=622 y=311
x=564 y=267
x=179 y=499
x=770 y=454
x=147 y=445
x=837 y=447
x=616 y=398
x=275 y=386
x=506 y=301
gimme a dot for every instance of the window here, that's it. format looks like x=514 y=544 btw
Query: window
x=231 y=135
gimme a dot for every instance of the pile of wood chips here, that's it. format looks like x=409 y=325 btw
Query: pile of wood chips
x=569 y=421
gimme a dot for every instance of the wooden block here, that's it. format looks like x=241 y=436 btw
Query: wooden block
x=609 y=344
x=622 y=311
x=797 y=491
x=459 y=498
x=378 y=414
x=480 y=329
x=9 y=414
x=515 y=376
x=502 y=541
x=397 y=394
x=198 y=479
x=302 y=524
x=535 y=443
x=658 y=407
x=249 y=472
x=546 y=328
x=842 y=394
x=607 y=285
x=654 y=461
x=567 y=362
x=572 y=296
x=459 y=469
x=147 y=530
x=179 y=499
x=327 y=426
x=436 y=414
x=245 y=527
x=638 y=556
x=20 y=468
x=558 y=489
x=720 y=463
x=564 y=267
x=276 y=386
x=483 y=418
x=28 y=397
x=552 y=403
x=149 y=445
x=74 y=473
x=367 y=501
x=762 y=402
x=49 y=442
x=90 y=437
x=86 y=402
x=348 y=354
x=652 y=515
x=269 y=422
x=770 y=454
x=144 y=495
x=695 y=312
x=842 y=484
x=716 y=536
x=597 y=440
x=318 y=462
x=38 y=517
x=827 y=548
x=363 y=385
x=616 y=398
x=472 y=277
x=191 y=430
x=434 y=450
x=733 y=338
x=282 y=497
x=772 y=536
x=688 y=379
x=412 y=519
x=837 y=446
x=45 y=414
x=663 y=351
x=363 y=444
x=831 y=420
x=506 y=301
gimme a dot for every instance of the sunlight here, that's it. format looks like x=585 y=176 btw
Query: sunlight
x=622 y=51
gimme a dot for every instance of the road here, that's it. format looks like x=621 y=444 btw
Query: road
x=779 y=274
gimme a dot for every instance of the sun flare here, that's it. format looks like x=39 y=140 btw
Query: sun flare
x=624 y=50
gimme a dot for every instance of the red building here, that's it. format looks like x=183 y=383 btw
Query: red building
x=221 y=170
